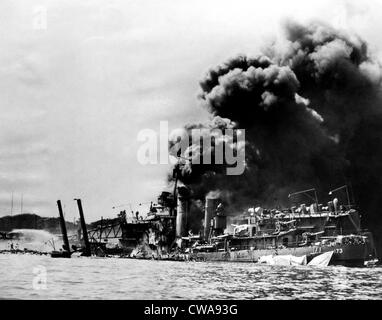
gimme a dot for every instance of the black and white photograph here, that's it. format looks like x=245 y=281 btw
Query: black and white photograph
x=215 y=150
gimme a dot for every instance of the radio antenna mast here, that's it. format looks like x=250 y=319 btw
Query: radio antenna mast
x=12 y=204
x=21 y=203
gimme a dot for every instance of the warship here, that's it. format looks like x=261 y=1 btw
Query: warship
x=301 y=232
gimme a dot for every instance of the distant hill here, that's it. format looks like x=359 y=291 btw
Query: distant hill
x=34 y=221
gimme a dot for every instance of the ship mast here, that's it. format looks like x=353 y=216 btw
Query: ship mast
x=21 y=204
x=12 y=205
x=347 y=193
x=176 y=177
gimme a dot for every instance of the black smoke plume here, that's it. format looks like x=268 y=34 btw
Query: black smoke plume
x=311 y=109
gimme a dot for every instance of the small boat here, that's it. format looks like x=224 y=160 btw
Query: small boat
x=371 y=263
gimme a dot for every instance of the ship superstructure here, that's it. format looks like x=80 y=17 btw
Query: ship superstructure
x=298 y=231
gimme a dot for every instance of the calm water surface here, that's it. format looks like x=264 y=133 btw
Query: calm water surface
x=114 y=278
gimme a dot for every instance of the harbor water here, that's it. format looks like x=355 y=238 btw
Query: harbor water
x=27 y=276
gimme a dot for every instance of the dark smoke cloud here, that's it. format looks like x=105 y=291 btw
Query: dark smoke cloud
x=311 y=110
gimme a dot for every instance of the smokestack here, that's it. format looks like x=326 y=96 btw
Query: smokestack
x=208 y=215
x=63 y=227
x=182 y=212
x=87 y=252
x=220 y=223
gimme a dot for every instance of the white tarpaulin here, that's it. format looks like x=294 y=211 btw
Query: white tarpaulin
x=322 y=260
x=283 y=260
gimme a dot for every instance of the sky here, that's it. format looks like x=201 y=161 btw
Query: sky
x=80 y=79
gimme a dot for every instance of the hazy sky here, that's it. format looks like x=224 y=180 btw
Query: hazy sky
x=76 y=88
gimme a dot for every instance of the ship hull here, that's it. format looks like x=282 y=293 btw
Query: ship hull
x=346 y=255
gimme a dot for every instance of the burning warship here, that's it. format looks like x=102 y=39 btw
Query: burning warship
x=295 y=235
